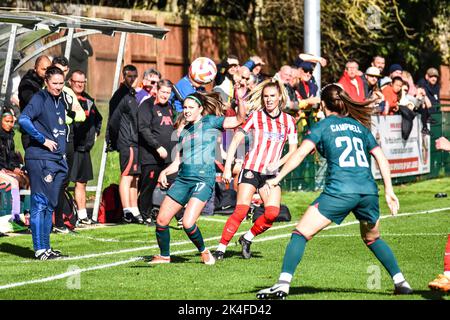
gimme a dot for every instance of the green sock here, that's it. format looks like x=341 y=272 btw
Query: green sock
x=294 y=253
x=196 y=237
x=385 y=255
x=163 y=237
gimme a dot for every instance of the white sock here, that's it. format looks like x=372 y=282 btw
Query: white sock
x=82 y=214
x=39 y=252
x=285 y=278
x=249 y=236
x=125 y=210
x=135 y=211
x=447 y=274
x=222 y=247
x=398 y=278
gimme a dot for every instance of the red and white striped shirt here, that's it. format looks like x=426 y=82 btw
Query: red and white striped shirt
x=269 y=136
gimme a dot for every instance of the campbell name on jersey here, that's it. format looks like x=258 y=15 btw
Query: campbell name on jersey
x=347 y=146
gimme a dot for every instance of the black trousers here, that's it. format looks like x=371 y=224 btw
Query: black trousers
x=59 y=221
x=147 y=184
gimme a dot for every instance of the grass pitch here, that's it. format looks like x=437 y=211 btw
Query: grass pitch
x=111 y=262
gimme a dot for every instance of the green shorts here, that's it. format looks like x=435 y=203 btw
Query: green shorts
x=185 y=188
x=336 y=207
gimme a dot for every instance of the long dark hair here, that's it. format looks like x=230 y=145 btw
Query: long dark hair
x=210 y=102
x=337 y=100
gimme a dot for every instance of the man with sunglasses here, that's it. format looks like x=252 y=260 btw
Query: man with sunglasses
x=305 y=90
x=148 y=87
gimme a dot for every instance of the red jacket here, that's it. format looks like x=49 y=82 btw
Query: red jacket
x=350 y=88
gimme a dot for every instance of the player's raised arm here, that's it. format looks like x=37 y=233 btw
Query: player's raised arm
x=233 y=122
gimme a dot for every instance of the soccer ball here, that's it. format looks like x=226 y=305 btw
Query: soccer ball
x=203 y=70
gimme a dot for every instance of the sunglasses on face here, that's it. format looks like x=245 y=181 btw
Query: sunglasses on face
x=308 y=71
x=234 y=65
x=245 y=78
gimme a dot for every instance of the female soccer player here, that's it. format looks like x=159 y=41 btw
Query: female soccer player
x=270 y=129
x=195 y=181
x=345 y=140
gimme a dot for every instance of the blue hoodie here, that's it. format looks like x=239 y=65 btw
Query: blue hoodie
x=181 y=90
x=44 y=118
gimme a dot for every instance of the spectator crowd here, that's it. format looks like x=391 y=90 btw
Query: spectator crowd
x=145 y=122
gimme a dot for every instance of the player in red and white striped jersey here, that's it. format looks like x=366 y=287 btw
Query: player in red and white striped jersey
x=269 y=136
x=270 y=129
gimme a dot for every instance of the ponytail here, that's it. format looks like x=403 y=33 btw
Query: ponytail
x=337 y=100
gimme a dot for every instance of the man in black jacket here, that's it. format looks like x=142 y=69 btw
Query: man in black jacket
x=79 y=54
x=85 y=134
x=129 y=74
x=32 y=82
x=123 y=128
x=156 y=142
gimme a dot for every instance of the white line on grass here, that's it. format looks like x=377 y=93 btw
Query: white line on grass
x=110 y=265
x=78 y=271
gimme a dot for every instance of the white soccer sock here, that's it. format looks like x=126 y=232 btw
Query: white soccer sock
x=125 y=210
x=398 y=278
x=82 y=214
x=222 y=247
x=285 y=278
x=249 y=236
x=135 y=211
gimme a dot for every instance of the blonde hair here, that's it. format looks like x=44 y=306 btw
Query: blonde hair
x=255 y=98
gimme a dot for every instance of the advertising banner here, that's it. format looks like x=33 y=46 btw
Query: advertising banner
x=406 y=157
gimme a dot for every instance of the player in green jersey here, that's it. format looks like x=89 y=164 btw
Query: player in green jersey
x=345 y=140
x=194 y=161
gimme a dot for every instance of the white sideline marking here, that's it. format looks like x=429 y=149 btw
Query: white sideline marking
x=79 y=271
x=110 y=265
x=114 y=240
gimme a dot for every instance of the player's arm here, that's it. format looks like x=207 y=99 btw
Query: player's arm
x=293 y=162
x=383 y=164
x=292 y=149
x=237 y=138
x=29 y=113
x=233 y=122
x=172 y=168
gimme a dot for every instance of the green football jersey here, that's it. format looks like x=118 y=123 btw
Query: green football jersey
x=197 y=143
x=346 y=144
